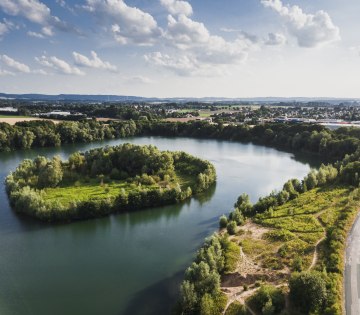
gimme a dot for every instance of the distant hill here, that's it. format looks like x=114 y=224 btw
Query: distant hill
x=123 y=98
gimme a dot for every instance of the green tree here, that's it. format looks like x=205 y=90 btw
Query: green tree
x=188 y=297
x=308 y=291
x=231 y=227
x=311 y=180
x=223 y=221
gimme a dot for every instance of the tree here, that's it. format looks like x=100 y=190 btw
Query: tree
x=308 y=291
x=237 y=216
x=288 y=186
x=188 y=297
x=207 y=305
x=244 y=205
x=223 y=221
x=311 y=180
x=269 y=300
x=51 y=174
x=231 y=227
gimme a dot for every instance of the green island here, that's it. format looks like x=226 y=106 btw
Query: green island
x=105 y=180
x=281 y=255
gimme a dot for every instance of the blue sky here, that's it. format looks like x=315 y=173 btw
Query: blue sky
x=169 y=48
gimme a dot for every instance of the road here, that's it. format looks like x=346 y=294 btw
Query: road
x=352 y=271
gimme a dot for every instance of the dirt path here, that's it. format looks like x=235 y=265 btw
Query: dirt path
x=240 y=295
x=316 y=254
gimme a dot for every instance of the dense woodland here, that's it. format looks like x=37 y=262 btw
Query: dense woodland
x=150 y=179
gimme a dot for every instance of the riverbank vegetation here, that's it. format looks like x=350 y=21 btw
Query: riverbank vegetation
x=314 y=139
x=288 y=246
x=105 y=180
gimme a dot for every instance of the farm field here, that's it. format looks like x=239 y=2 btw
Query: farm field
x=12 y=120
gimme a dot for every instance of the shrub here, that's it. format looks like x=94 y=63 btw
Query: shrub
x=231 y=227
x=223 y=222
x=268 y=300
x=236 y=308
x=308 y=291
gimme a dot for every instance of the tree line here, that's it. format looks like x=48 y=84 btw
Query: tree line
x=314 y=139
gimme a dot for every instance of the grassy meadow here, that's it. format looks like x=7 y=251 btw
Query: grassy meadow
x=94 y=189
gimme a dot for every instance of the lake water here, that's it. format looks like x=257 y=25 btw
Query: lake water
x=127 y=263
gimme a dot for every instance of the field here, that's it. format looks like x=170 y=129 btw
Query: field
x=92 y=188
x=12 y=120
x=285 y=239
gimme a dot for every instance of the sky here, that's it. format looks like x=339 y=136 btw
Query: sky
x=173 y=48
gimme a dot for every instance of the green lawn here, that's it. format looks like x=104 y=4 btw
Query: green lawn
x=82 y=190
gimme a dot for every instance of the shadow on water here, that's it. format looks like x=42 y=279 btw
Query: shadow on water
x=156 y=299
x=209 y=221
x=306 y=158
x=132 y=218
x=206 y=196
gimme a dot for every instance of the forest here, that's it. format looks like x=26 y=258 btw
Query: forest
x=105 y=180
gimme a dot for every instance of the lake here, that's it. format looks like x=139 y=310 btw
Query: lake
x=127 y=263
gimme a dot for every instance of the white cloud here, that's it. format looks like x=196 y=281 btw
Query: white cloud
x=35 y=34
x=275 y=39
x=196 y=52
x=33 y=10
x=47 y=30
x=184 y=65
x=93 y=62
x=40 y=71
x=3 y=29
x=64 y=5
x=36 y=12
x=138 y=79
x=185 y=33
x=129 y=24
x=5 y=72
x=177 y=7
x=6 y=26
x=15 y=65
x=193 y=36
x=58 y=65
x=310 y=30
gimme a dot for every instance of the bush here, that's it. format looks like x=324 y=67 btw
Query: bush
x=268 y=300
x=308 y=291
x=223 y=222
x=236 y=308
x=231 y=227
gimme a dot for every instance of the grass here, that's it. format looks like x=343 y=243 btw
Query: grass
x=285 y=238
x=294 y=228
x=83 y=190
x=305 y=218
